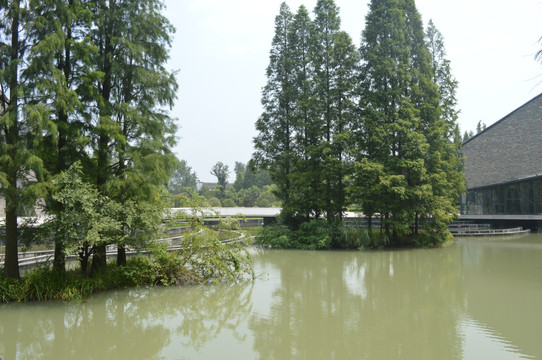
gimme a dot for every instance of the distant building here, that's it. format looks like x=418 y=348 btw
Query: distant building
x=23 y=211
x=503 y=166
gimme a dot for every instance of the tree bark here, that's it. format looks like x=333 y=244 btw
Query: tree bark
x=11 y=266
x=121 y=256
x=99 y=260
x=59 y=261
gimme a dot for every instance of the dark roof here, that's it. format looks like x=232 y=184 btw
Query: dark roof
x=539 y=96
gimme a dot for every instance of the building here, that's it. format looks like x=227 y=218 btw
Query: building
x=36 y=210
x=503 y=169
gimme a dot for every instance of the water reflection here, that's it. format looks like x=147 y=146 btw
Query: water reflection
x=365 y=305
x=503 y=282
x=482 y=342
x=138 y=323
x=99 y=328
x=477 y=299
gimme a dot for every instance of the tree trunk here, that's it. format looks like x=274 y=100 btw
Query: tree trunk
x=121 y=256
x=84 y=255
x=99 y=260
x=59 y=261
x=416 y=225
x=387 y=226
x=11 y=266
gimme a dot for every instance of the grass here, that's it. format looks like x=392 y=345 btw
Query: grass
x=42 y=284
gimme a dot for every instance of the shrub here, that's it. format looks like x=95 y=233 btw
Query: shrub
x=204 y=258
x=312 y=235
x=181 y=200
x=363 y=240
x=214 y=202
x=228 y=203
x=275 y=236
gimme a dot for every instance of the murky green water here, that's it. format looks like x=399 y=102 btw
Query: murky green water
x=478 y=299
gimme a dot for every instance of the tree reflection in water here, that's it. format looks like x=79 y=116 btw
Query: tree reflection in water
x=479 y=297
x=378 y=305
x=137 y=323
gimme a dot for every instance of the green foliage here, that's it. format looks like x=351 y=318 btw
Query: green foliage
x=203 y=258
x=228 y=203
x=267 y=197
x=42 y=284
x=222 y=173
x=251 y=188
x=217 y=254
x=213 y=202
x=184 y=180
x=304 y=130
x=408 y=166
x=314 y=235
x=23 y=124
x=246 y=177
x=85 y=217
x=311 y=235
x=363 y=239
x=248 y=197
x=317 y=235
x=276 y=236
x=181 y=200
x=82 y=83
x=387 y=140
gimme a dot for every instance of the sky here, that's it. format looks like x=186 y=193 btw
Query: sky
x=221 y=51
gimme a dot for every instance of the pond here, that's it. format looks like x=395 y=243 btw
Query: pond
x=479 y=298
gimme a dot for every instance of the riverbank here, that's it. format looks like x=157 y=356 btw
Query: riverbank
x=202 y=260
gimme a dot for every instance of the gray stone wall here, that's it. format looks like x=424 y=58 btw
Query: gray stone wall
x=510 y=149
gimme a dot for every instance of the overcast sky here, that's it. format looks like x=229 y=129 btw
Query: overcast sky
x=221 y=51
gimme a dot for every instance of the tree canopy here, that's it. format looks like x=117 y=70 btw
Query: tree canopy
x=375 y=126
x=84 y=81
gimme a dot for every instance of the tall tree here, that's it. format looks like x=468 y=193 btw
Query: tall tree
x=222 y=173
x=133 y=132
x=448 y=178
x=183 y=179
x=335 y=60
x=442 y=74
x=308 y=112
x=64 y=71
x=399 y=103
x=274 y=142
x=246 y=177
x=384 y=68
x=406 y=148
x=240 y=170
x=23 y=121
x=305 y=199
x=326 y=27
x=142 y=158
